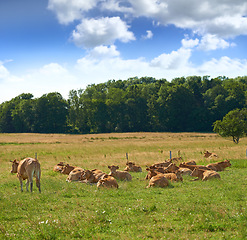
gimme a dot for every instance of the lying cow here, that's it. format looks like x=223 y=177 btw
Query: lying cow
x=76 y=175
x=158 y=180
x=131 y=167
x=107 y=182
x=174 y=176
x=67 y=169
x=192 y=167
x=27 y=169
x=207 y=154
x=220 y=166
x=58 y=167
x=204 y=174
x=121 y=175
x=91 y=177
x=185 y=171
x=162 y=164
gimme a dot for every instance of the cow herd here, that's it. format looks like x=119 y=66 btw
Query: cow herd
x=158 y=174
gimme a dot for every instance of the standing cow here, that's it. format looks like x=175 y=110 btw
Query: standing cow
x=27 y=169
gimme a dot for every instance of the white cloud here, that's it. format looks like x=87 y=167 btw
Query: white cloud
x=212 y=42
x=173 y=60
x=149 y=35
x=69 y=10
x=103 y=31
x=224 y=66
x=189 y=43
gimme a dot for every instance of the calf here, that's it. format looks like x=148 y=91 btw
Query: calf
x=220 y=166
x=131 y=167
x=171 y=176
x=185 y=171
x=159 y=180
x=76 y=175
x=204 y=174
x=67 y=169
x=162 y=164
x=27 y=169
x=192 y=167
x=207 y=154
x=107 y=182
x=58 y=167
x=91 y=177
x=121 y=175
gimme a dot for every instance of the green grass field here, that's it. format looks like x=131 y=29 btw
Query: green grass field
x=215 y=209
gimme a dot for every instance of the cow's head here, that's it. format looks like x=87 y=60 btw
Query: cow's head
x=14 y=166
x=113 y=168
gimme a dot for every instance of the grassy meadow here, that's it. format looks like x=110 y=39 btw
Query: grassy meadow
x=215 y=209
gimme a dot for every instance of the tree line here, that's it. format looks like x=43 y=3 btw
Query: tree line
x=134 y=105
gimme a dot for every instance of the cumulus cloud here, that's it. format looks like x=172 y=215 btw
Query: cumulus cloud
x=173 y=60
x=69 y=10
x=212 y=42
x=103 y=31
x=149 y=35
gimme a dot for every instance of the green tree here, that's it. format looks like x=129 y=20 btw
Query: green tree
x=234 y=125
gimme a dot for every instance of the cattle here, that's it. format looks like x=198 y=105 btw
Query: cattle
x=158 y=180
x=131 y=167
x=185 y=171
x=27 y=169
x=192 y=162
x=173 y=176
x=58 y=167
x=162 y=164
x=91 y=177
x=219 y=166
x=67 y=169
x=107 y=182
x=121 y=175
x=207 y=154
x=204 y=175
x=76 y=175
x=192 y=167
x=172 y=168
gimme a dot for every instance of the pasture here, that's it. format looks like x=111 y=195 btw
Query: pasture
x=215 y=209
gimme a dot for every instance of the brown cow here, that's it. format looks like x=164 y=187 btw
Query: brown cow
x=159 y=180
x=107 y=182
x=207 y=154
x=192 y=167
x=27 y=169
x=76 y=175
x=219 y=166
x=67 y=169
x=173 y=176
x=121 y=175
x=58 y=167
x=204 y=174
x=162 y=164
x=131 y=167
x=185 y=171
x=91 y=177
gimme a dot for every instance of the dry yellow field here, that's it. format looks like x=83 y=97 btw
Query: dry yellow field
x=101 y=150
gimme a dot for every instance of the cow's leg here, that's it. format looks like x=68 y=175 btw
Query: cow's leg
x=21 y=184
x=38 y=184
x=27 y=183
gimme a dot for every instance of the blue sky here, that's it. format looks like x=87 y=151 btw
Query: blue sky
x=60 y=45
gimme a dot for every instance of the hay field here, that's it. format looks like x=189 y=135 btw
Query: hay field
x=188 y=210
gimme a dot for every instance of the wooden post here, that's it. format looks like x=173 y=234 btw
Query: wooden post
x=170 y=154
x=35 y=155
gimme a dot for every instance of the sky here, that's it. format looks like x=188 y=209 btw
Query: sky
x=61 y=45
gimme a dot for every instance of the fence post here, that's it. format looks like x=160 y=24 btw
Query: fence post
x=170 y=154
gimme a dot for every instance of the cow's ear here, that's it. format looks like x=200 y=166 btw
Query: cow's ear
x=109 y=167
x=117 y=167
